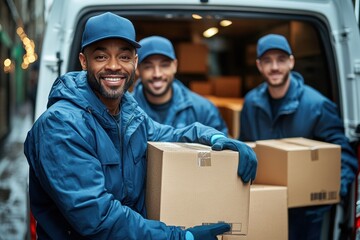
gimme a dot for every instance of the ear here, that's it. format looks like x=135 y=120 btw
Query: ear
x=136 y=62
x=292 y=61
x=258 y=65
x=175 y=65
x=82 y=60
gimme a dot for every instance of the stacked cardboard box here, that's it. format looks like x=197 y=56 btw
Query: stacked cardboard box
x=230 y=109
x=202 y=88
x=310 y=169
x=192 y=58
x=189 y=185
x=226 y=86
x=219 y=86
x=268 y=215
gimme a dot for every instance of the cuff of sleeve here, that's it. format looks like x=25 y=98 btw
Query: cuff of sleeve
x=189 y=236
x=215 y=137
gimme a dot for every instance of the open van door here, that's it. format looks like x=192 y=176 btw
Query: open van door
x=357 y=131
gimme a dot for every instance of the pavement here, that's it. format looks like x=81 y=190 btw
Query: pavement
x=14 y=169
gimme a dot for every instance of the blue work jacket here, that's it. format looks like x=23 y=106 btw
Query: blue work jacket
x=304 y=113
x=186 y=108
x=87 y=172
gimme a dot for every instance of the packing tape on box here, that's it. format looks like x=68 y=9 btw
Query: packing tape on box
x=204 y=159
x=314 y=151
x=235 y=228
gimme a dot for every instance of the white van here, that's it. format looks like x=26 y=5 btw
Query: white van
x=323 y=34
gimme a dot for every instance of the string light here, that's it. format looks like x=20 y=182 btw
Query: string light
x=30 y=55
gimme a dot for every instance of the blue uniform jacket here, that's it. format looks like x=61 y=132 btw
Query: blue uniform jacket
x=186 y=107
x=87 y=174
x=304 y=113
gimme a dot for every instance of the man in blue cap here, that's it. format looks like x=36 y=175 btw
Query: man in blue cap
x=87 y=151
x=283 y=106
x=164 y=98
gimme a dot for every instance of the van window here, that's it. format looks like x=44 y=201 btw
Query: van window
x=231 y=52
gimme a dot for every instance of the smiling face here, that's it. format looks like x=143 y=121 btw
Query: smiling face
x=275 y=66
x=110 y=66
x=157 y=73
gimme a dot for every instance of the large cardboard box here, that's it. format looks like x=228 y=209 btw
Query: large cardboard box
x=268 y=215
x=310 y=169
x=189 y=184
x=192 y=58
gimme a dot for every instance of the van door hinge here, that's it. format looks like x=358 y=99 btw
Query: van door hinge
x=356 y=70
x=59 y=62
x=342 y=35
x=357 y=66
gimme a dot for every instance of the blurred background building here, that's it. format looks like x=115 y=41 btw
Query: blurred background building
x=22 y=24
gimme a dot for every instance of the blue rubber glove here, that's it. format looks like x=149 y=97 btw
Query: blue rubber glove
x=247 y=161
x=206 y=232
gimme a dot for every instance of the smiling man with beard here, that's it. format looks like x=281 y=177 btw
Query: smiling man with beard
x=163 y=97
x=87 y=151
x=283 y=106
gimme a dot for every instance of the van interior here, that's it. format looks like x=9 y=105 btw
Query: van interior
x=223 y=66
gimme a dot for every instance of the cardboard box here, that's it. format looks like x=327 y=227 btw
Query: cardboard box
x=251 y=144
x=268 y=215
x=201 y=87
x=310 y=169
x=226 y=86
x=189 y=184
x=192 y=58
x=230 y=109
x=219 y=86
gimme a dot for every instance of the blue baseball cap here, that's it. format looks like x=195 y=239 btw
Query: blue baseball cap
x=155 y=45
x=108 y=25
x=272 y=41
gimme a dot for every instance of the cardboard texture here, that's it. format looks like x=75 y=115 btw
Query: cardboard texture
x=201 y=87
x=251 y=144
x=189 y=184
x=192 y=58
x=310 y=169
x=226 y=86
x=268 y=215
x=230 y=109
x=219 y=86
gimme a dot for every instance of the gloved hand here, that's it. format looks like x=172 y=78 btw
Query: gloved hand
x=206 y=232
x=247 y=161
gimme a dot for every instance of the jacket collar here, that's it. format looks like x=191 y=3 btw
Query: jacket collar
x=292 y=97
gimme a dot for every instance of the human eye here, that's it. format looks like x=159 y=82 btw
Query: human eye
x=282 y=60
x=266 y=61
x=100 y=57
x=165 y=64
x=147 y=66
x=125 y=57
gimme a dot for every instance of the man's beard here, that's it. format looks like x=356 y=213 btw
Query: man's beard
x=151 y=93
x=112 y=94
x=281 y=84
